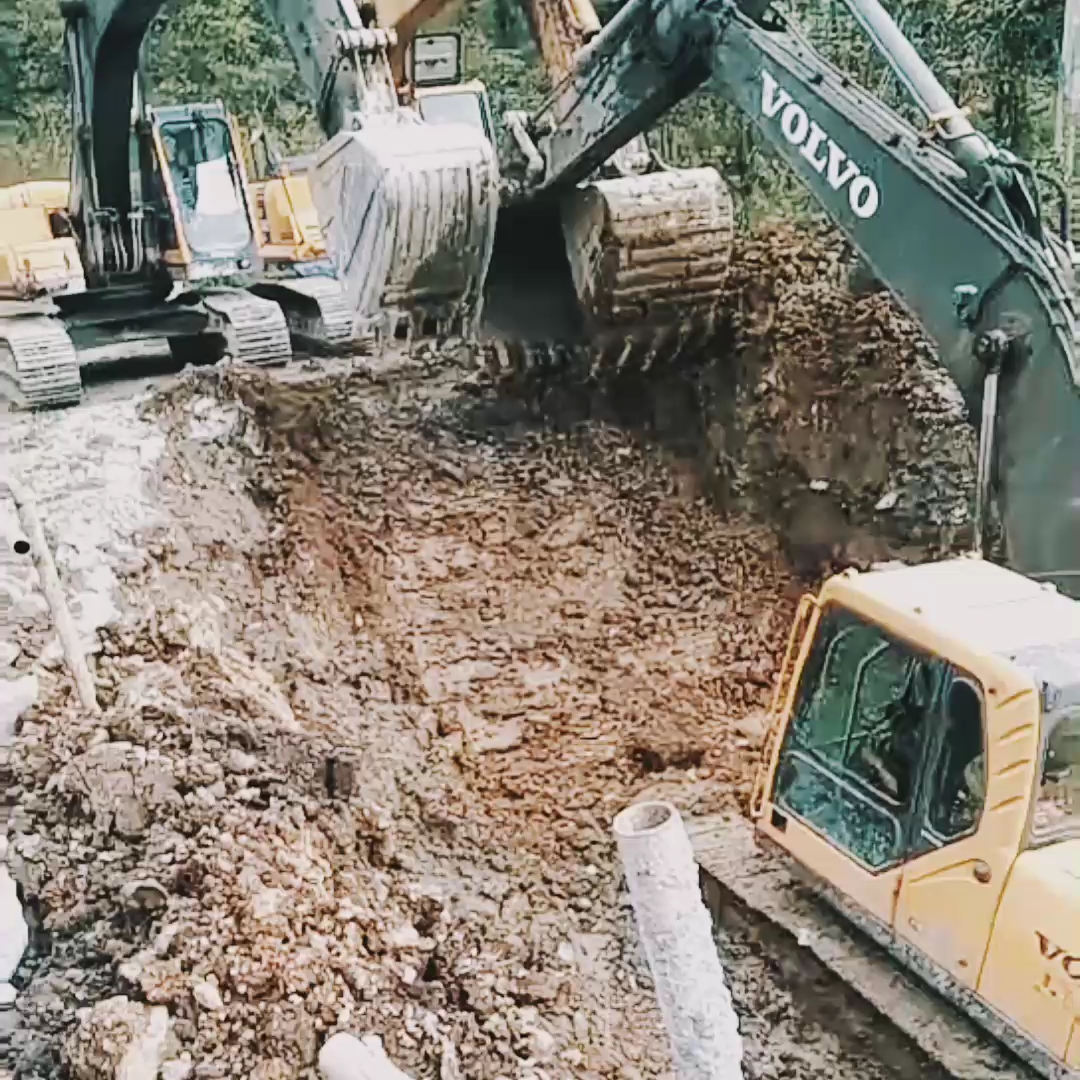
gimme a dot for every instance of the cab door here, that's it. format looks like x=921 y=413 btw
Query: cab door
x=847 y=771
x=951 y=885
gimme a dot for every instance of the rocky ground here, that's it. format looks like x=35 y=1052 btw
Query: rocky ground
x=380 y=655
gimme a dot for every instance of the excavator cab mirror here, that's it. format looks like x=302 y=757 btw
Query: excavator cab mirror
x=436 y=60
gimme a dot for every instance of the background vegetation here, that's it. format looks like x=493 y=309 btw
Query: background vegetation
x=999 y=57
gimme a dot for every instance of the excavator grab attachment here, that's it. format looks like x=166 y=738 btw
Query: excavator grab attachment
x=409 y=214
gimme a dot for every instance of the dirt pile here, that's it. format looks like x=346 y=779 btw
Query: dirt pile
x=390 y=667
x=367 y=724
x=817 y=410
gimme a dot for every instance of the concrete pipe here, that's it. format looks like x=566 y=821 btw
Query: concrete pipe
x=676 y=933
x=345 y=1057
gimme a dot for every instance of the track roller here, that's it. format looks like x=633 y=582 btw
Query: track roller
x=39 y=367
x=254 y=330
x=315 y=310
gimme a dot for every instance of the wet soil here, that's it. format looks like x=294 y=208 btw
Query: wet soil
x=403 y=646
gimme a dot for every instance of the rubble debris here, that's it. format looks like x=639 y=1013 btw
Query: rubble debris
x=118 y=1039
x=16 y=696
x=345 y=1057
x=815 y=405
x=499 y=632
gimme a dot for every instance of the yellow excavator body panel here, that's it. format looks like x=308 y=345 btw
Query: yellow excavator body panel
x=1032 y=969
x=292 y=227
x=33 y=260
x=924 y=730
x=50 y=194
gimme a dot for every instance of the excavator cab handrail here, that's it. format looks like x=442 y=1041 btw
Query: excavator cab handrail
x=802 y=629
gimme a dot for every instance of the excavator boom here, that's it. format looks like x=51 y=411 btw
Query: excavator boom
x=949 y=225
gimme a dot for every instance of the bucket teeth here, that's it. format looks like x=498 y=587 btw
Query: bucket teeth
x=649 y=256
x=39 y=367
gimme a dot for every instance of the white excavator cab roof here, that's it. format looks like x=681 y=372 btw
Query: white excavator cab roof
x=989 y=608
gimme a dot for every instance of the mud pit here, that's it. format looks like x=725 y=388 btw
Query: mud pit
x=396 y=659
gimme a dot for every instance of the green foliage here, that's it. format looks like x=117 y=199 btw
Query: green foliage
x=227 y=49
x=9 y=65
x=998 y=57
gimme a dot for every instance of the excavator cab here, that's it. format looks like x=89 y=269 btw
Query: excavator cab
x=205 y=195
x=441 y=95
x=923 y=766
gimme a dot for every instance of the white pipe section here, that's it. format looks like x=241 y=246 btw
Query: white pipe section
x=676 y=932
x=54 y=594
x=345 y=1057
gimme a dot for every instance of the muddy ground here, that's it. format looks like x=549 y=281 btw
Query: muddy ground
x=392 y=650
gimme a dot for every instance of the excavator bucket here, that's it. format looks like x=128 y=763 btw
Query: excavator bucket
x=409 y=213
x=625 y=272
x=648 y=255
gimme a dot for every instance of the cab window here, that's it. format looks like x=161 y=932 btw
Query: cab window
x=1057 y=803
x=208 y=187
x=957 y=787
x=859 y=744
x=463 y=107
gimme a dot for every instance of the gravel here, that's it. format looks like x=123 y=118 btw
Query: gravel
x=384 y=656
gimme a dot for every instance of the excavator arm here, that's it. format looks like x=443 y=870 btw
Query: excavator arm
x=948 y=222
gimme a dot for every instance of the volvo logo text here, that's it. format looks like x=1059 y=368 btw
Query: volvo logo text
x=818 y=148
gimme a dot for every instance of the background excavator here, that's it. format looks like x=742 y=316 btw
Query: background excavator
x=297 y=270
x=160 y=212
x=37 y=252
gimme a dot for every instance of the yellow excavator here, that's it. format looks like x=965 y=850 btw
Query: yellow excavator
x=298 y=271
x=40 y=257
x=160 y=206
x=922 y=769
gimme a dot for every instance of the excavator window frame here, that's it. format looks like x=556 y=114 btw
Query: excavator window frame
x=936 y=762
x=844 y=788
x=200 y=122
x=1037 y=835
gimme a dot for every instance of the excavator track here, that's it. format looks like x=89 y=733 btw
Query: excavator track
x=648 y=255
x=39 y=367
x=315 y=310
x=255 y=330
x=972 y=1044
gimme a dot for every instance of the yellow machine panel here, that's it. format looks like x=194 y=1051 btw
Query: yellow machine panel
x=32 y=260
x=291 y=223
x=1032 y=971
x=924 y=764
x=50 y=194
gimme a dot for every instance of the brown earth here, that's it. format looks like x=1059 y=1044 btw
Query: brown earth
x=401 y=655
